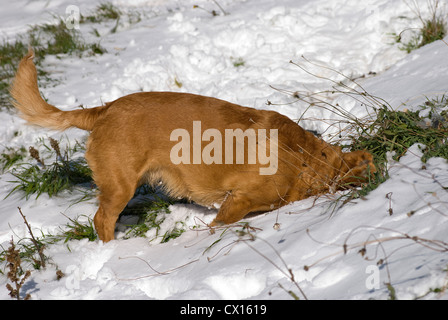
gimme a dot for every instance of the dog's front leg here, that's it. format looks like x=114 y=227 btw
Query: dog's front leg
x=234 y=208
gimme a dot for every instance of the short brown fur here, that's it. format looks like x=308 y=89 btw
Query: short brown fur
x=130 y=144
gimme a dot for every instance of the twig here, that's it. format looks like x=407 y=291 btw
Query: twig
x=213 y=12
x=221 y=8
x=389 y=196
x=436 y=245
x=157 y=273
x=15 y=269
x=39 y=247
x=289 y=274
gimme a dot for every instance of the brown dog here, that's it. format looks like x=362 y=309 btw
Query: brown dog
x=186 y=142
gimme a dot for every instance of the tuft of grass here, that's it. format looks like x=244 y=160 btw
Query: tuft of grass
x=10 y=157
x=106 y=12
x=58 y=39
x=238 y=62
x=63 y=174
x=432 y=29
x=396 y=131
x=174 y=233
x=392 y=292
x=54 y=39
x=178 y=83
x=103 y=12
x=30 y=249
x=75 y=230
x=16 y=273
x=151 y=214
x=384 y=131
x=38 y=246
x=10 y=54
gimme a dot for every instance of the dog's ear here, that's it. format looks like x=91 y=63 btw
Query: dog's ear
x=356 y=167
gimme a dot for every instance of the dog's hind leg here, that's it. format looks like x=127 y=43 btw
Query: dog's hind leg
x=116 y=186
x=113 y=198
x=111 y=205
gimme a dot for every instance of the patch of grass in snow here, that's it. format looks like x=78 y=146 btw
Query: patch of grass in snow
x=48 y=38
x=57 y=39
x=432 y=29
x=384 y=132
x=103 y=12
x=36 y=177
x=391 y=133
x=238 y=62
x=29 y=249
x=16 y=275
x=151 y=213
x=64 y=173
x=10 y=55
x=10 y=156
x=438 y=291
x=76 y=230
x=150 y=217
x=396 y=131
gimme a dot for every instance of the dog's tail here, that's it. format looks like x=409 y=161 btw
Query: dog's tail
x=33 y=108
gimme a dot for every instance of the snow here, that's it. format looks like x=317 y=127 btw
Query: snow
x=241 y=57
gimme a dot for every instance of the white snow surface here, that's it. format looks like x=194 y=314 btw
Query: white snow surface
x=177 y=43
